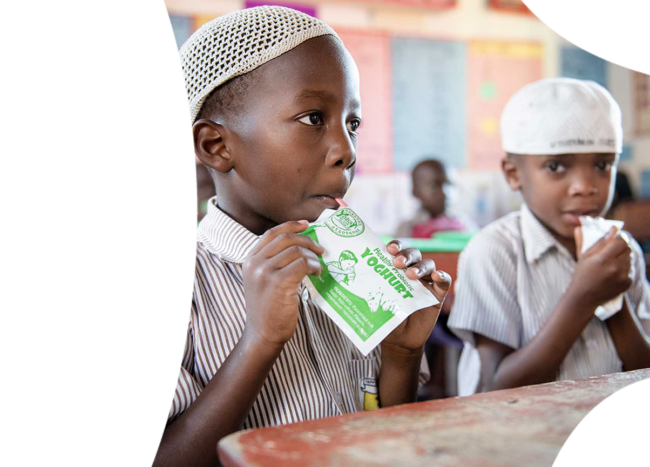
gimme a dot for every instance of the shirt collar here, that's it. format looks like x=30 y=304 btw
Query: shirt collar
x=537 y=239
x=225 y=237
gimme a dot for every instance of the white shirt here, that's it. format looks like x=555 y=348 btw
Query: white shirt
x=319 y=373
x=511 y=276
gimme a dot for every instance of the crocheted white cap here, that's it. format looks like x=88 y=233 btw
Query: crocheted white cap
x=561 y=116
x=236 y=43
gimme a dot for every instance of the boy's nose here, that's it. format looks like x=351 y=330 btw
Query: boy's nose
x=583 y=183
x=342 y=151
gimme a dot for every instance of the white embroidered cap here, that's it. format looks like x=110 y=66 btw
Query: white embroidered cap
x=237 y=43
x=561 y=116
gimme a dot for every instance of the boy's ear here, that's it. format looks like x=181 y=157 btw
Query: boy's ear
x=210 y=145
x=510 y=169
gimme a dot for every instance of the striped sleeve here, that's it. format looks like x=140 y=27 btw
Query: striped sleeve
x=187 y=388
x=425 y=371
x=639 y=293
x=486 y=292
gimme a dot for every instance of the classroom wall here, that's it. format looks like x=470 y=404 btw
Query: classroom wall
x=433 y=82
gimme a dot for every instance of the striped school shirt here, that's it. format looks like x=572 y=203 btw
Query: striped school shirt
x=510 y=277
x=318 y=374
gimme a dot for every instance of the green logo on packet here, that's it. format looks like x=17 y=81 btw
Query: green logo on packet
x=345 y=223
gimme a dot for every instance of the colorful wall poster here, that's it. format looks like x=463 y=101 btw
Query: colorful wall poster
x=435 y=4
x=200 y=20
x=382 y=200
x=580 y=64
x=182 y=26
x=481 y=196
x=645 y=184
x=371 y=52
x=627 y=155
x=641 y=93
x=308 y=9
x=512 y=6
x=428 y=101
x=496 y=71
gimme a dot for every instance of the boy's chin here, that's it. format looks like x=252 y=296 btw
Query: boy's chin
x=565 y=229
x=559 y=227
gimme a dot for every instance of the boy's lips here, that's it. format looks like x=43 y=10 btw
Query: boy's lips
x=572 y=216
x=328 y=201
x=328 y=197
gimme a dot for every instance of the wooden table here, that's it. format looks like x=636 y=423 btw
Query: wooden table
x=516 y=427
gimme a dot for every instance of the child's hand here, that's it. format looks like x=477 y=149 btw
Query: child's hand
x=272 y=275
x=414 y=331
x=602 y=272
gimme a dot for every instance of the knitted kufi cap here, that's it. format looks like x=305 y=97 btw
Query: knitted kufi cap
x=237 y=43
x=561 y=116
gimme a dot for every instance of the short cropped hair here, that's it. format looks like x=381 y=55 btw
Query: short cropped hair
x=227 y=99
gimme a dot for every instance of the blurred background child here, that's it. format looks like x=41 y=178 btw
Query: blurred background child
x=429 y=183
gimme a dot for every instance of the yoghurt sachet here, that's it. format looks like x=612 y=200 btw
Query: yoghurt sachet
x=593 y=229
x=359 y=288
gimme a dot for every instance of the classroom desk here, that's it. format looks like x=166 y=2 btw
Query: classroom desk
x=515 y=427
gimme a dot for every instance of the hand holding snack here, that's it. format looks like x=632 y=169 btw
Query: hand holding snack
x=361 y=289
x=272 y=275
x=602 y=271
x=414 y=331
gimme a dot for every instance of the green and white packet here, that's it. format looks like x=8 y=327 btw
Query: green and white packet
x=359 y=288
x=593 y=229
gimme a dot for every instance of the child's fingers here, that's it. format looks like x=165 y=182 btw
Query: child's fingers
x=421 y=270
x=610 y=246
x=272 y=234
x=281 y=240
x=616 y=247
x=287 y=240
x=441 y=279
x=441 y=284
x=291 y=254
x=407 y=257
x=438 y=282
x=625 y=262
x=394 y=247
x=301 y=267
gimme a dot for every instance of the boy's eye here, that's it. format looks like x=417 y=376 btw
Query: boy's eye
x=555 y=166
x=354 y=125
x=312 y=119
x=604 y=166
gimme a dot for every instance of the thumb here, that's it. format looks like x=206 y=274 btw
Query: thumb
x=441 y=285
x=577 y=235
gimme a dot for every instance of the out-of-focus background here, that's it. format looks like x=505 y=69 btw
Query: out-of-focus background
x=435 y=75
